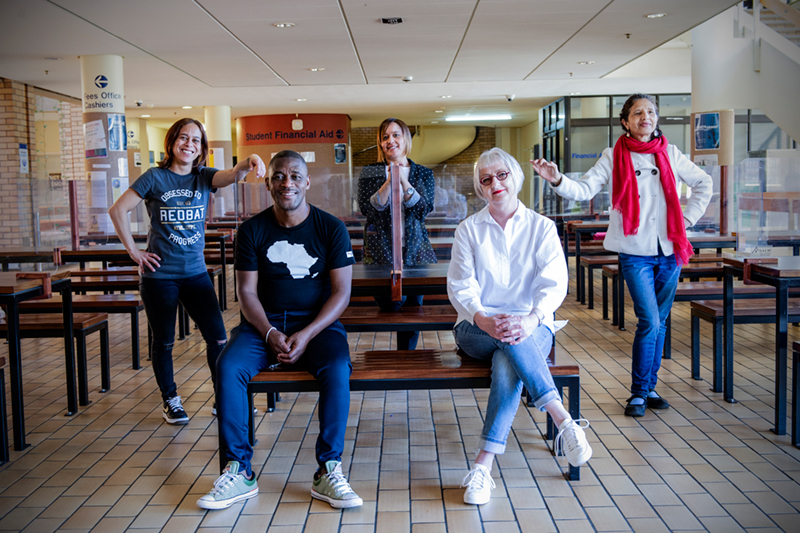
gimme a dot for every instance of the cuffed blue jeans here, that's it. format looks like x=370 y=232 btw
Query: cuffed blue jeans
x=160 y=298
x=652 y=281
x=327 y=358
x=512 y=366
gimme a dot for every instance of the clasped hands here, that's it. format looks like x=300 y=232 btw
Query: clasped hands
x=513 y=329
x=287 y=349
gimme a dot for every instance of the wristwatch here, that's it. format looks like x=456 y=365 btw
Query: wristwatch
x=410 y=191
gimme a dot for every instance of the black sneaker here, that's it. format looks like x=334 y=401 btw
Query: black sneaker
x=636 y=409
x=654 y=401
x=173 y=411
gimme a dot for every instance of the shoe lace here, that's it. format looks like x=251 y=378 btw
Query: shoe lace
x=338 y=482
x=567 y=438
x=174 y=403
x=223 y=483
x=477 y=478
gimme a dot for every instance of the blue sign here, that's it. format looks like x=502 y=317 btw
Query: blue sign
x=101 y=81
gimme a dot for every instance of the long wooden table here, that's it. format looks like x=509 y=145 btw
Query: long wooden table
x=12 y=292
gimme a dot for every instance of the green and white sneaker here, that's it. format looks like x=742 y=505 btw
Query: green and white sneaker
x=332 y=487
x=229 y=488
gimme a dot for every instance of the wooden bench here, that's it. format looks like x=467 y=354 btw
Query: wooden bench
x=410 y=370
x=52 y=326
x=760 y=311
x=4 y=455
x=129 y=304
x=795 y=392
x=586 y=269
x=417 y=318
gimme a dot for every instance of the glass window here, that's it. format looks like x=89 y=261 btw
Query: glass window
x=593 y=107
x=679 y=135
x=675 y=105
x=587 y=143
x=739 y=142
x=768 y=136
x=618 y=102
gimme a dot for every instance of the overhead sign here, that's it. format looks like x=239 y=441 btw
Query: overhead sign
x=278 y=129
x=102 y=84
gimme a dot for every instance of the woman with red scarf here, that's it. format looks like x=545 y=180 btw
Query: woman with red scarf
x=647 y=228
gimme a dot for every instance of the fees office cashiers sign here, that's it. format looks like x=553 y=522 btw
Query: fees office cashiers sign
x=292 y=129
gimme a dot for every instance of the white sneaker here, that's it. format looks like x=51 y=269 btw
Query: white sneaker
x=479 y=485
x=571 y=441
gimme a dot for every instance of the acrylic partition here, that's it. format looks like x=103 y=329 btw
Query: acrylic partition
x=766 y=198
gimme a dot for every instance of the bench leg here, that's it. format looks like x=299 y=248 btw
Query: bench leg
x=135 y=341
x=4 y=455
x=716 y=339
x=252 y=423
x=795 y=398
x=581 y=284
x=181 y=323
x=590 y=286
x=105 y=365
x=272 y=397
x=83 y=379
x=149 y=342
x=614 y=301
x=668 y=338
x=695 y=347
x=605 y=298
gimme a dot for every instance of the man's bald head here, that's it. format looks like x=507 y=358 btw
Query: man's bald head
x=287 y=154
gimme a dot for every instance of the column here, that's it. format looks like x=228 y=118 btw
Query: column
x=220 y=155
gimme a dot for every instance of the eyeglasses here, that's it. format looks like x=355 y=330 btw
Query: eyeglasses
x=486 y=179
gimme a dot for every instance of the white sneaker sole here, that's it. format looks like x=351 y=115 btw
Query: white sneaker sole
x=169 y=420
x=587 y=454
x=472 y=500
x=224 y=504
x=338 y=504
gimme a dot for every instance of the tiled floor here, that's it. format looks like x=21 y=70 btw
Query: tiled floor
x=702 y=465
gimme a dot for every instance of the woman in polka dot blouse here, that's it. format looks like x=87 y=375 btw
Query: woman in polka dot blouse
x=374 y=195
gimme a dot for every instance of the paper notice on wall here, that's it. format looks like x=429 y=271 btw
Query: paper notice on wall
x=99 y=196
x=94 y=139
x=118 y=186
x=216 y=158
x=117 y=139
x=137 y=159
x=23 y=159
x=706 y=160
x=122 y=167
x=310 y=157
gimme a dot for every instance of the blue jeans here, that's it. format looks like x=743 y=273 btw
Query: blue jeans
x=406 y=340
x=652 y=281
x=327 y=358
x=160 y=298
x=512 y=366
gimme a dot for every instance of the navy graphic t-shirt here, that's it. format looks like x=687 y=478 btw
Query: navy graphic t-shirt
x=293 y=264
x=176 y=205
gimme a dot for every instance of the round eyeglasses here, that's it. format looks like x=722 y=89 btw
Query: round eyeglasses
x=486 y=179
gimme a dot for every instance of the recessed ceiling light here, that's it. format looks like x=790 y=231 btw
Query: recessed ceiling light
x=186 y=107
x=439 y=111
x=284 y=24
x=316 y=69
x=145 y=116
x=302 y=99
x=586 y=62
x=655 y=15
x=462 y=118
x=52 y=59
x=447 y=96
x=573 y=94
x=434 y=121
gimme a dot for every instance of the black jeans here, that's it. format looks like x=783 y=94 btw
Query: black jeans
x=160 y=297
x=406 y=340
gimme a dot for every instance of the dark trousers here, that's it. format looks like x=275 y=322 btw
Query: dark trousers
x=327 y=358
x=406 y=340
x=160 y=297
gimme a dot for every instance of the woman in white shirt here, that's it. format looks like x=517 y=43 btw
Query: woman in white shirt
x=506 y=278
x=647 y=227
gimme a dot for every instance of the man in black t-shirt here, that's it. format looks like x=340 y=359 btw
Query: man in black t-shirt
x=294 y=268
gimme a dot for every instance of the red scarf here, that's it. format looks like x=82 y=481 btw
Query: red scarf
x=625 y=194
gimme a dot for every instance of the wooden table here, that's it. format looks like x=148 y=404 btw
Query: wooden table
x=782 y=275
x=25 y=254
x=369 y=280
x=12 y=292
x=700 y=240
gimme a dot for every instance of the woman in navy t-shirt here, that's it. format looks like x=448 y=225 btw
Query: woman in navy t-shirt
x=173 y=268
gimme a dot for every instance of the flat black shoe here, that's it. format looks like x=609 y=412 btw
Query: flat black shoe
x=635 y=410
x=657 y=403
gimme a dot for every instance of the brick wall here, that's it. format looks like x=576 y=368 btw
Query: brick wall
x=16 y=127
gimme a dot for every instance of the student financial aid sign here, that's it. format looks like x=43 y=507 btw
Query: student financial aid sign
x=292 y=129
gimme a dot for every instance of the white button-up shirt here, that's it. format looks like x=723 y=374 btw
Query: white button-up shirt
x=512 y=270
x=652 y=202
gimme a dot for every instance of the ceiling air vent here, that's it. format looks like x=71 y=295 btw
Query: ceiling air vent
x=392 y=20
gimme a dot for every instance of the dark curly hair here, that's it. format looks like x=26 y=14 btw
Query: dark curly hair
x=626 y=110
x=172 y=136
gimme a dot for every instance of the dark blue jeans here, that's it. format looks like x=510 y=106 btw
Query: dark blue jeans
x=327 y=358
x=406 y=340
x=160 y=297
x=652 y=281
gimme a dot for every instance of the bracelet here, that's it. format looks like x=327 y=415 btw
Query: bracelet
x=266 y=337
